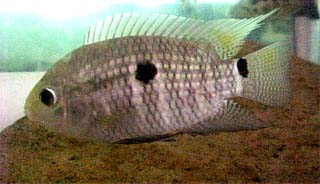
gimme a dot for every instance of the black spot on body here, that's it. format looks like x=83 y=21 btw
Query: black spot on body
x=146 y=71
x=242 y=66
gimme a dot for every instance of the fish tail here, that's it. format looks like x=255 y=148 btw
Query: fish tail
x=265 y=74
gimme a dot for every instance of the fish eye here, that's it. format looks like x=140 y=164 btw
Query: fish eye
x=48 y=96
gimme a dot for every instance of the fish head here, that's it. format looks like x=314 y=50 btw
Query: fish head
x=45 y=103
x=59 y=103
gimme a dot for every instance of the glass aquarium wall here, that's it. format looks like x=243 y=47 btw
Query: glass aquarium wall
x=35 y=34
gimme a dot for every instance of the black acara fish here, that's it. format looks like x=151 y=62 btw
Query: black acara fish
x=146 y=77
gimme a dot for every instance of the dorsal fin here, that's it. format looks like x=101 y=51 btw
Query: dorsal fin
x=226 y=35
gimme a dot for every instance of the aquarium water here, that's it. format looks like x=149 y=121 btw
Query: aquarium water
x=36 y=34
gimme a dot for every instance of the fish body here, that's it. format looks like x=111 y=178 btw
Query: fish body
x=146 y=87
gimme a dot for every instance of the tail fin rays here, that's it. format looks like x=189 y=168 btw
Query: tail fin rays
x=267 y=80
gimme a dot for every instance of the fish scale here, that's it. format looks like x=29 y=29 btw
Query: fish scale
x=130 y=82
x=154 y=106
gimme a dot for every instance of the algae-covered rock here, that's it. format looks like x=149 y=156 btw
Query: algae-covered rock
x=286 y=151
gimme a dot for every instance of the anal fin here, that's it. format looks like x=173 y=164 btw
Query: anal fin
x=232 y=117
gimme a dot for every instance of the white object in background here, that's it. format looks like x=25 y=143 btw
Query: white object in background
x=307 y=33
x=315 y=42
x=302 y=34
x=14 y=88
x=315 y=56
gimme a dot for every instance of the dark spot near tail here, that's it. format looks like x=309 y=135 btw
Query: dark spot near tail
x=146 y=71
x=242 y=66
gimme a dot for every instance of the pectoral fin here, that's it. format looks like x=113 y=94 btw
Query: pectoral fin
x=232 y=117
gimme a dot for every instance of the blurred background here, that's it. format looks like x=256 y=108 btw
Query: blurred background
x=34 y=34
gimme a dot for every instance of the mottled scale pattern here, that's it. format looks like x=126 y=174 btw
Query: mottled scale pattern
x=190 y=87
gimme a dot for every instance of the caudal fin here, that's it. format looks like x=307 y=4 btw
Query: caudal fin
x=266 y=79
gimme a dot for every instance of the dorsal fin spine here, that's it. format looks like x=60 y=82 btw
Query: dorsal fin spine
x=160 y=21
x=146 y=26
x=226 y=34
x=187 y=27
x=153 y=24
x=175 y=25
x=127 y=18
x=190 y=30
x=133 y=22
x=118 y=22
x=137 y=26
x=180 y=32
x=117 y=29
x=100 y=35
x=133 y=29
x=171 y=27
x=176 y=30
x=94 y=31
x=91 y=33
x=143 y=27
x=196 y=33
x=204 y=31
x=112 y=26
x=164 y=19
x=109 y=27
x=98 y=30
x=167 y=22
x=88 y=35
x=122 y=23
x=124 y=33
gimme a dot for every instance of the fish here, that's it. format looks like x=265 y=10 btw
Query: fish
x=147 y=77
x=251 y=8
